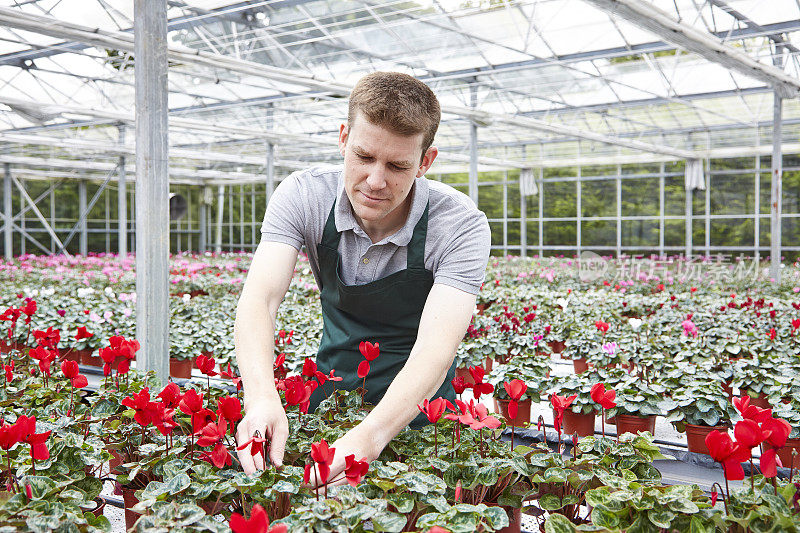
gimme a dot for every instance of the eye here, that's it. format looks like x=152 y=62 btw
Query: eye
x=363 y=157
x=399 y=168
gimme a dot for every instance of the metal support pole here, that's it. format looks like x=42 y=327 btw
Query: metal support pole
x=83 y=241
x=707 y=177
x=8 y=241
x=202 y=216
x=122 y=201
x=688 y=220
x=220 y=210
x=618 y=181
x=523 y=214
x=661 y=211
x=578 y=206
x=152 y=187
x=473 y=148
x=269 y=171
x=776 y=204
x=541 y=212
x=757 y=210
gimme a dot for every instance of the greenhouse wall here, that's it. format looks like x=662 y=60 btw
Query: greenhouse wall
x=609 y=210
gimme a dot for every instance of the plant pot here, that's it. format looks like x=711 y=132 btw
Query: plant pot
x=523 y=417
x=610 y=420
x=488 y=364
x=180 y=368
x=130 y=499
x=67 y=354
x=580 y=365
x=696 y=437
x=785 y=454
x=582 y=424
x=464 y=373
x=89 y=358
x=557 y=346
x=482 y=307
x=635 y=424
x=514 y=520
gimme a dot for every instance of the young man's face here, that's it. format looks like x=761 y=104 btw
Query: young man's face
x=379 y=171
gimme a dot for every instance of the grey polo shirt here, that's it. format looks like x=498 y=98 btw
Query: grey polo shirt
x=456 y=248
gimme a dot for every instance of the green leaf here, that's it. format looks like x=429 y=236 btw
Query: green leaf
x=661 y=517
x=550 y=502
x=178 y=484
x=603 y=518
x=496 y=516
x=403 y=502
x=557 y=523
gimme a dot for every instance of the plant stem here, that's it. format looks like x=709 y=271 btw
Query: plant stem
x=436 y=438
x=603 y=420
x=752 y=475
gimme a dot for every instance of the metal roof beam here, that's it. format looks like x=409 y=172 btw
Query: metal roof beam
x=112 y=39
x=708 y=46
x=177 y=23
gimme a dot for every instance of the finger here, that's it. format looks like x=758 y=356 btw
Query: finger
x=278 y=444
x=258 y=461
x=246 y=460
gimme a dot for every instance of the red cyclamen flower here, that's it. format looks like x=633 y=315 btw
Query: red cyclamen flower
x=206 y=365
x=214 y=435
x=515 y=389
x=731 y=454
x=435 y=408
x=258 y=522
x=355 y=470
x=323 y=456
x=601 y=326
x=560 y=404
x=602 y=396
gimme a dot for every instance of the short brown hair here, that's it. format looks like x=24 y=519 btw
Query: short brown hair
x=397 y=102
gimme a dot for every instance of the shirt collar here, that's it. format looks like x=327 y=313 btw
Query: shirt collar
x=345 y=218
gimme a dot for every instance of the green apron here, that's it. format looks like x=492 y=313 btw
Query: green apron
x=386 y=311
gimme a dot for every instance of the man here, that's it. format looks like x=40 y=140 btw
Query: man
x=398 y=260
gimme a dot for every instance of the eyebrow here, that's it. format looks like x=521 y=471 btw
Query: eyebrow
x=360 y=151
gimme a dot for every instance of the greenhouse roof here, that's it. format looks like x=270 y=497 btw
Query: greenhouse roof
x=548 y=82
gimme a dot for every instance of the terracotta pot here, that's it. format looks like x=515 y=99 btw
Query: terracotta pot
x=696 y=437
x=610 y=421
x=582 y=424
x=514 y=520
x=130 y=500
x=580 y=365
x=482 y=307
x=90 y=357
x=635 y=424
x=488 y=364
x=67 y=354
x=785 y=454
x=523 y=417
x=464 y=373
x=557 y=346
x=180 y=368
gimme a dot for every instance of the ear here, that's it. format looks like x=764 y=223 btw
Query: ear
x=343 y=133
x=427 y=160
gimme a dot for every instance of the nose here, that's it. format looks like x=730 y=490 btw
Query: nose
x=376 y=180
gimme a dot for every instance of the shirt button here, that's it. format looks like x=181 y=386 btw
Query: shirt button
x=366 y=260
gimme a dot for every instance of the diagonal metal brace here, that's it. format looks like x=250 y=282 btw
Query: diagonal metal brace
x=39 y=216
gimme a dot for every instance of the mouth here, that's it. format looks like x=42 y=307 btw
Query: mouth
x=372 y=198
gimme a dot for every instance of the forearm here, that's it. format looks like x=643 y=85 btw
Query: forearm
x=254 y=341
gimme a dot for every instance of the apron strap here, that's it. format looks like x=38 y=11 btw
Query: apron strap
x=330 y=237
x=416 y=247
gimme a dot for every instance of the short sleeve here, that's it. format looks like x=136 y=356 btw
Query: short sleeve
x=284 y=220
x=463 y=263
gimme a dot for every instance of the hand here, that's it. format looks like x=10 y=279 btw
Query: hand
x=268 y=418
x=360 y=442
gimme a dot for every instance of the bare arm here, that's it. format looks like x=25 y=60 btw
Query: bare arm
x=254 y=338
x=444 y=321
